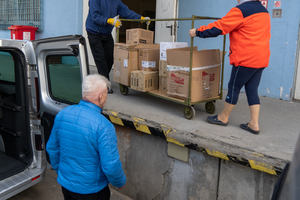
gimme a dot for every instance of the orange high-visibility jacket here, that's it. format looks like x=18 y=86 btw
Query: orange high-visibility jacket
x=249 y=28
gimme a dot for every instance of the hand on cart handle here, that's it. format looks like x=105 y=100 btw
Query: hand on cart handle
x=115 y=21
x=193 y=32
x=146 y=19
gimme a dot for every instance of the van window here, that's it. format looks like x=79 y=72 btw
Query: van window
x=64 y=78
x=7 y=67
x=7 y=76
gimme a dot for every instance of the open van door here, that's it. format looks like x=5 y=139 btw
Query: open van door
x=37 y=79
x=22 y=161
x=62 y=63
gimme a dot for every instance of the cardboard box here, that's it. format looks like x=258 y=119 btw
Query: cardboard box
x=170 y=45
x=144 y=80
x=163 y=68
x=139 y=36
x=205 y=76
x=125 y=61
x=163 y=84
x=148 y=57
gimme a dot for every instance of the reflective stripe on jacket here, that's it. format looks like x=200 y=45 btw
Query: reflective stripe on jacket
x=249 y=28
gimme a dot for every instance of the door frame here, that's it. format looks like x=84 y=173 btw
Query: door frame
x=296 y=92
x=175 y=23
x=85 y=11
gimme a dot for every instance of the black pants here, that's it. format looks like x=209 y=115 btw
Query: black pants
x=103 y=194
x=244 y=76
x=102 y=47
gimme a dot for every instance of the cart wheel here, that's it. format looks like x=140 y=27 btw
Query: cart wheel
x=123 y=89
x=210 y=107
x=189 y=112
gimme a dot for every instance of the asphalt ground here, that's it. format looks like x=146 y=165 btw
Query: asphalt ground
x=49 y=189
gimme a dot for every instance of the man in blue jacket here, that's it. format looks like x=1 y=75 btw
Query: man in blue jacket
x=83 y=146
x=102 y=17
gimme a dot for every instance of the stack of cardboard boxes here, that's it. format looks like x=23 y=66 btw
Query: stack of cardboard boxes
x=163 y=63
x=144 y=66
x=136 y=62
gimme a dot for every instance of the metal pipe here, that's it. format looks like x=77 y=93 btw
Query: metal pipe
x=223 y=63
x=191 y=65
x=172 y=19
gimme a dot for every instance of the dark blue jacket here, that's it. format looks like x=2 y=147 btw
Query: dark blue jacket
x=101 y=10
x=83 y=150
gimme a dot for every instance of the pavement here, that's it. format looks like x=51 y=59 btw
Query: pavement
x=279 y=124
x=49 y=189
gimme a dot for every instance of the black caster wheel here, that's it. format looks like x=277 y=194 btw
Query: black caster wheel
x=124 y=89
x=189 y=112
x=210 y=107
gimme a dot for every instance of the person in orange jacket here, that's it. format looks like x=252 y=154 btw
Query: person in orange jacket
x=249 y=28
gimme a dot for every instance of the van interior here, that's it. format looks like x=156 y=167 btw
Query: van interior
x=15 y=142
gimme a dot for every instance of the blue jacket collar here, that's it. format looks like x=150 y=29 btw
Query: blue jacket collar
x=90 y=105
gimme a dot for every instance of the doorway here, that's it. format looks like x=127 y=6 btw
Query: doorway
x=144 y=8
x=164 y=31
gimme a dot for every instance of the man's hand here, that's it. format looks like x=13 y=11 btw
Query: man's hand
x=146 y=19
x=193 y=32
x=114 y=21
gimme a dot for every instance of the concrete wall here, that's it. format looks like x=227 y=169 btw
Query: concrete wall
x=59 y=18
x=278 y=79
x=152 y=174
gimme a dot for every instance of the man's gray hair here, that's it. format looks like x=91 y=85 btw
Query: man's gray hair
x=92 y=85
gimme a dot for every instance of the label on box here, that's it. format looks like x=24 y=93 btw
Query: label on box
x=26 y=35
x=125 y=63
x=148 y=64
x=172 y=68
x=177 y=79
x=170 y=45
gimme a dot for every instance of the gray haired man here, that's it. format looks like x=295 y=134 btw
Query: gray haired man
x=83 y=146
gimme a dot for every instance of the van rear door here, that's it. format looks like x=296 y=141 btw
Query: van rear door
x=21 y=154
x=62 y=63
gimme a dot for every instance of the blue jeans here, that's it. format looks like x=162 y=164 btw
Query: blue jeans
x=244 y=76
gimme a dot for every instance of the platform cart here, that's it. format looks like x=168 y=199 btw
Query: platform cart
x=189 y=110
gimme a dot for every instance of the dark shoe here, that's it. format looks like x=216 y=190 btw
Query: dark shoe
x=214 y=120
x=110 y=91
x=247 y=128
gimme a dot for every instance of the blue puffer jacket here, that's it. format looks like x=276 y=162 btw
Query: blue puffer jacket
x=101 y=10
x=83 y=150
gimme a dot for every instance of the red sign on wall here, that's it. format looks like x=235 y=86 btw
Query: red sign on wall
x=277 y=4
x=264 y=3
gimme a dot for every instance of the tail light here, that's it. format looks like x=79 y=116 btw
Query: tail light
x=35 y=178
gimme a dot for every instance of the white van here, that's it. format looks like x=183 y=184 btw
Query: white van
x=37 y=79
